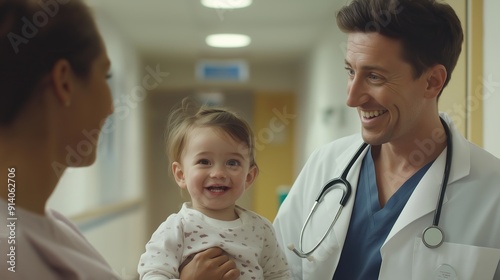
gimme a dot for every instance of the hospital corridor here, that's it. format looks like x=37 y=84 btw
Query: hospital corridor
x=285 y=75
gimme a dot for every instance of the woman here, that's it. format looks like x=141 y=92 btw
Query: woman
x=53 y=72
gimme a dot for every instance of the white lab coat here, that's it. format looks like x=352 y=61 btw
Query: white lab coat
x=470 y=216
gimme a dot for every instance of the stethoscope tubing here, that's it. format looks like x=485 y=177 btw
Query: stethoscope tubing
x=433 y=236
x=343 y=179
x=446 y=174
x=341 y=182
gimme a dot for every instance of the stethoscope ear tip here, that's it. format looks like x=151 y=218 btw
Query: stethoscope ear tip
x=310 y=258
x=291 y=247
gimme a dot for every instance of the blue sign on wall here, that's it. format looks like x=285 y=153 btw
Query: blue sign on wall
x=225 y=70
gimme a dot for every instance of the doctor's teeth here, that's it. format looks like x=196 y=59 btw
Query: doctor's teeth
x=372 y=114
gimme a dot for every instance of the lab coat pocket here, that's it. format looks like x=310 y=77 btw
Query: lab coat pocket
x=321 y=262
x=453 y=261
x=321 y=265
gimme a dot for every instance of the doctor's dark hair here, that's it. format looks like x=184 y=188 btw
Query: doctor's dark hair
x=34 y=35
x=429 y=30
x=189 y=115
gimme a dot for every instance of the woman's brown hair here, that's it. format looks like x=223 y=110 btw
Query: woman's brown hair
x=34 y=35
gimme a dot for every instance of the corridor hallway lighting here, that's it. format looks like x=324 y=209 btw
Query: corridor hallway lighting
x=226 y=4
x=228 y=40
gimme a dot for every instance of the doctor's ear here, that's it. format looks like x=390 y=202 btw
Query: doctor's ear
x=178 y=174
x=436 y=77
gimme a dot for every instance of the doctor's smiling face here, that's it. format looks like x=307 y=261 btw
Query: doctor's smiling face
x=215 y=169
x=393 y=104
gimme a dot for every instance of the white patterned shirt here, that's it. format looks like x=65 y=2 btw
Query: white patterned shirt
x=250 y=241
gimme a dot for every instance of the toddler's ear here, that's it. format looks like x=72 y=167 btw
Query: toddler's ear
x=178 y=174
x=252 y=174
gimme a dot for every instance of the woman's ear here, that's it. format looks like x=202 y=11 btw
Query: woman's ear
x=251 y=175
x=436 y=77
x=62 y=81
x=178 y=174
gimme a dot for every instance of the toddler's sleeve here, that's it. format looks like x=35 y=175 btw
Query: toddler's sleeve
x=273 y=259
x=163 y=252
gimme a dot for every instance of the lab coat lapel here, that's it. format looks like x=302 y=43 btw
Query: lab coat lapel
x=425 y=196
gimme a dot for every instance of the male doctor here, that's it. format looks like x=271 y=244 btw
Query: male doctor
x=400 y=56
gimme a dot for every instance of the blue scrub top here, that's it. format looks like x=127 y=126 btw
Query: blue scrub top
x=370 y=224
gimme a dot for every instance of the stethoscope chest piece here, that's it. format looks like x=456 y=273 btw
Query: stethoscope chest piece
x=432 y=237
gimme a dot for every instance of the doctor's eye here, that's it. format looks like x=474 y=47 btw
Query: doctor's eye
x=350 y=71
x=374 y=78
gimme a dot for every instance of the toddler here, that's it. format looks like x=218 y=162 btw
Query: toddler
x=212 y=155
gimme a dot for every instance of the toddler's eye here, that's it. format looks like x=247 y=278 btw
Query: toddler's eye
x=204 y=161
x=233 y=162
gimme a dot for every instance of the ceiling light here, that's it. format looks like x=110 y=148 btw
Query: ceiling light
x=226 y=4
x=228 y=40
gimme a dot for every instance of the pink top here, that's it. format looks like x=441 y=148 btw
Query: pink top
x=46 y=247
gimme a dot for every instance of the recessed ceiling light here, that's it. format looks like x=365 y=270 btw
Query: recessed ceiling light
x=226 y=4
x=228 y=40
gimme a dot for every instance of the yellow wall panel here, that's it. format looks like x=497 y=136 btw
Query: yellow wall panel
x=453 y=100
x=274 y=123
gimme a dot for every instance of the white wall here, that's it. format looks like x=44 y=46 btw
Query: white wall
x=120 y=240
x=323 y=114
x=105 y=199
x=491 y=73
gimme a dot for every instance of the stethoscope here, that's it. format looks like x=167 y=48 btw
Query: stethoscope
x=432 y=236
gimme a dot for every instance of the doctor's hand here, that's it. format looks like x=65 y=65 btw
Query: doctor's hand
x=211 y=264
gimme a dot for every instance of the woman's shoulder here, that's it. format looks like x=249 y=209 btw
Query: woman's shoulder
x=58 y=217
